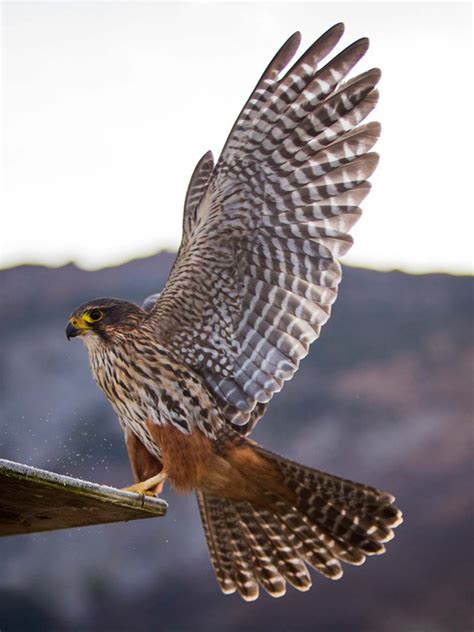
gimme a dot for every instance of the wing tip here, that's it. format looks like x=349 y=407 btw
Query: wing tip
x=287 y=51
x=339 y=27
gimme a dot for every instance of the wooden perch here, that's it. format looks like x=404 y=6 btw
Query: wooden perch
x=33 y=500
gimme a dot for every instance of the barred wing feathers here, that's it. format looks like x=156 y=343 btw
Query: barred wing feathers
x=196 y=189
x=257 y=271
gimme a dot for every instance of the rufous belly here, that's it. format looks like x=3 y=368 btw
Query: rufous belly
x=221 y=468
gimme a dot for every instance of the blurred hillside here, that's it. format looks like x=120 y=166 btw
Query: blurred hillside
x=385 y=397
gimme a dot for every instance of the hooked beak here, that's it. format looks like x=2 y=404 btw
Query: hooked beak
x=72 y=331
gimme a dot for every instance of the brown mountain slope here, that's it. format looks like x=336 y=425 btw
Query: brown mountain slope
x=384 y=397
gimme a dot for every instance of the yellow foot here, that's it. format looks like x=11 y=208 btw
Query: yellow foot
x=137 y=489
x=154 y=483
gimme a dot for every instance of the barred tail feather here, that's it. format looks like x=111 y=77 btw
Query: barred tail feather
x=318 y=520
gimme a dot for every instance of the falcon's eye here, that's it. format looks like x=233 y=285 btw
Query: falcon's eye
x=93 y=316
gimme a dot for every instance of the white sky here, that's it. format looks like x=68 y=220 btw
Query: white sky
x=108 y=106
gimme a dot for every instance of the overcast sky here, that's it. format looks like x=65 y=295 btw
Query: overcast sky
x=108 y=106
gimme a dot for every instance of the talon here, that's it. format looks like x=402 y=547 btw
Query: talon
x=137 y=489
x=154 y=483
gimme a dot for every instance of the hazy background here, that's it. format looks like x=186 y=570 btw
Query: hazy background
x=385 y=397
x=106 y=109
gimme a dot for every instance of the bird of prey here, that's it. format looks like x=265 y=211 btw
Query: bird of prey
x=191 y=372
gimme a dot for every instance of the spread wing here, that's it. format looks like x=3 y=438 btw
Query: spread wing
x=257 y=271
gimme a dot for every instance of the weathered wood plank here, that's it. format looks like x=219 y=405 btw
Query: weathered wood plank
x=33 y=500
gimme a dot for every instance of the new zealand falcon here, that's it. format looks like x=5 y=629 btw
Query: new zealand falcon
x=191 y=372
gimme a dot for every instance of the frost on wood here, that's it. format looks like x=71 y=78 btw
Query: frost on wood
x=33 y=500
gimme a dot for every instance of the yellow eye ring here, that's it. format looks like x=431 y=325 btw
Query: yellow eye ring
x=93 y=316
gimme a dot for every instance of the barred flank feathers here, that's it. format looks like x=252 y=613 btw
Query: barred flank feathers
x=330 y=520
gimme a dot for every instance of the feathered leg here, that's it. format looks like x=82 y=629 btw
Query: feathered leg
x=147 y=469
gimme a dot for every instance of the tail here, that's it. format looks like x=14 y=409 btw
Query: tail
x=318 y=519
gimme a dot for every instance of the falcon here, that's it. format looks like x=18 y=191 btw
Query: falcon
x=191 y=372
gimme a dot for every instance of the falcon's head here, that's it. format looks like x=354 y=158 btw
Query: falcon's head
x=99 y=319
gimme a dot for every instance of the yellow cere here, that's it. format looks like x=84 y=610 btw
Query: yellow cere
x=79 y=323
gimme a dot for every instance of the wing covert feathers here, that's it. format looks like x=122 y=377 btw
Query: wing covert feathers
x=257 y=271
